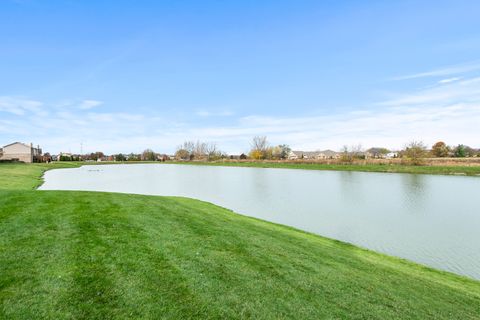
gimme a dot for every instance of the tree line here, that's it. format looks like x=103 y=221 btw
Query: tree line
x=260 y=149
x=199 y=150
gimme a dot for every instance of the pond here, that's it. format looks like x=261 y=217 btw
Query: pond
x=433 y=220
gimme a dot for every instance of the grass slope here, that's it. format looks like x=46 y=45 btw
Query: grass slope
x=19 y=176
x=74 y=255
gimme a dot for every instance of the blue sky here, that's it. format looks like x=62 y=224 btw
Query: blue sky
x=122 y=76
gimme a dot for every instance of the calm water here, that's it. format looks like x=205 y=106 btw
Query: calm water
x=434 y=220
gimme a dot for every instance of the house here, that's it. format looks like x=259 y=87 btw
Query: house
x=242 y=156
x=23 y=152
x=313 y=155
x=64 y=156
x=294 y=155
x=391 y=155
x=162 y=157
x=378 y=153
x=362 y=155
x=327 y=154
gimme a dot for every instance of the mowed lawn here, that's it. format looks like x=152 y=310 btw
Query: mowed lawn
x=17 y=176
x=85 y=255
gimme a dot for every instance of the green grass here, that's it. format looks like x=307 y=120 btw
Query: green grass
x=85 y=255
x=392 y=168
x=18 y=176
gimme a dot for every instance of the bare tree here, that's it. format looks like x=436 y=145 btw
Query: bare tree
x=199 y=150
x=259 y=147
x=185 y=150
x=349 y=154
x=212 y=151
x=182 y=154
x=346 y=155
x=189 y=146
x=414 y=152
x=356 y=151
x=260 y=143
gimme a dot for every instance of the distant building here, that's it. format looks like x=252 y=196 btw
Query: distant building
x=391 y=155
x=64 y=156
x=378 y=153
x=162 y=157
x=23 y=152
x=327 y=154
x=313 y=155
x=293 y=155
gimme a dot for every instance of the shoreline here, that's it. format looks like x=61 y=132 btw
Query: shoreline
x=471 y=171
x=447 y=170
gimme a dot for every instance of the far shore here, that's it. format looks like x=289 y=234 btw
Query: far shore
x=438 y=166
x=466 y=166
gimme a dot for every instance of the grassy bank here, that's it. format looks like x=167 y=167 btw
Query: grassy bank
x=71 y=255
x=17 y=176
x=391 y=168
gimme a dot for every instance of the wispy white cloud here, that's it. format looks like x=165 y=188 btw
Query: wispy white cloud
x=20 y=106
x=89 y=104
x=448 y=80
x=206 y=113
x=453 y=92
x=441 y=72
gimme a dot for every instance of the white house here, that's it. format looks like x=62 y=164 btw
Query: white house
x=391 y=155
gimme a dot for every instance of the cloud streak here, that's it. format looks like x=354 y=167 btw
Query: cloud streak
x=443 y=81
x=89 y=104
x=205 y=113
x=446 y=71
x=20 y=106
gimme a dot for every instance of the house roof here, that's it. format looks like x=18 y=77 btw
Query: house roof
x=11 y=144
x=304 y=153
x=315 y=153
x=328 y=152
x=310 y=153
